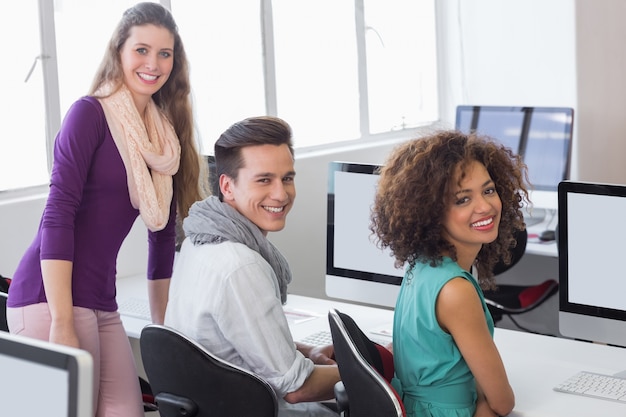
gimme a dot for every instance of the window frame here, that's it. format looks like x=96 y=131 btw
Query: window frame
x=53 y=117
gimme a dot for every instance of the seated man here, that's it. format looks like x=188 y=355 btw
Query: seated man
x=230 y=282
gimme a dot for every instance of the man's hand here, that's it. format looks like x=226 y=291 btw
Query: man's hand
x=323 y=355
x=320 y=355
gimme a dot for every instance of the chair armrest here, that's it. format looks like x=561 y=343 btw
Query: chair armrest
x=170 y=404
x=342 y=398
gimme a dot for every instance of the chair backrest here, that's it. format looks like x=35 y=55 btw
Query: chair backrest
x=187 y=380
x=521 y=236
x=4 y=294
x=368 y=392
x=517 y=299
x=3 y=312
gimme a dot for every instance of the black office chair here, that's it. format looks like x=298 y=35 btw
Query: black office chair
x=187 y=380
x=508 y=300
x=366 y=369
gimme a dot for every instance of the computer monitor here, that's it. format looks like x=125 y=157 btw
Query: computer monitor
x=356 y=269
x=214 y=183
x=43 y=379
x=592 y=301
x=541 y=135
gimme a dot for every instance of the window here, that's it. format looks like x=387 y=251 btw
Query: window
x=335 y=70
x=401 y=70
x=83 y=29
x=302 y=61
x=317 y=79
x=225 y=52
x=23 y=157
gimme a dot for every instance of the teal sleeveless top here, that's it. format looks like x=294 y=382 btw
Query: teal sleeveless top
x=432 y=377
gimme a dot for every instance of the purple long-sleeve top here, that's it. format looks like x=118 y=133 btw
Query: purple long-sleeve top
x=87 y=216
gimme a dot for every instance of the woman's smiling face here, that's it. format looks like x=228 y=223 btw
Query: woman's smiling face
x=473 y=212
x=147 y=59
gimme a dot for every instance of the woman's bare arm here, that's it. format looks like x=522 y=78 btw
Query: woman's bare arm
x=460 y=313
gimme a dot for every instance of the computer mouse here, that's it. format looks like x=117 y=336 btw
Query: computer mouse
x=547 y=235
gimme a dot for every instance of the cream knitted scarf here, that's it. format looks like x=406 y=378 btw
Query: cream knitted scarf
x=150 y=150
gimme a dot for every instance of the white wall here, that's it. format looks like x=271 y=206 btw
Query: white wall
x=509 y=53
x=601 y=90
x=19 y=219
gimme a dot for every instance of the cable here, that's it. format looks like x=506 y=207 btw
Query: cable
x=553 y=216
x=519 y=326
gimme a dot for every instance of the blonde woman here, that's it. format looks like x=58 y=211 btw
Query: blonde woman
x=125 y=150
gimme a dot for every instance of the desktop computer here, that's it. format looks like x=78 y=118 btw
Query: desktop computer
x=214 y=184
x=44 y=379
x=592 y=306
x=356 y=269
x=541 y=135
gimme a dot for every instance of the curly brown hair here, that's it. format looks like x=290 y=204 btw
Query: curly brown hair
x=413 y=196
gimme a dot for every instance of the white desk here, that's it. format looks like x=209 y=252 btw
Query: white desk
x=366 y=317
x=534 y=364
x=536 y=247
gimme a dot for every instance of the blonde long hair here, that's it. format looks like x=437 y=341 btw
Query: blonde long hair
x=174 y=98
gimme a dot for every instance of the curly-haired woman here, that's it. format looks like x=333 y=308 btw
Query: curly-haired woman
x=447 y=206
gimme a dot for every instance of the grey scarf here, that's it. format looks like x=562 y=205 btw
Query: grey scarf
x=210 y=222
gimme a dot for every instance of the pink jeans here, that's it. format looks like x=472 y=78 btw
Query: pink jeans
x=116 y=385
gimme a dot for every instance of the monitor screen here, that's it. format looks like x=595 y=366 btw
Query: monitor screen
x=541 y=135
x=214 y=183
x=44 y=379
x=592 y=305
x=356 y=269
x=502 y=123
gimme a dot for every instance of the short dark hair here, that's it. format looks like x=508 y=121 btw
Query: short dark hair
x=253 y=131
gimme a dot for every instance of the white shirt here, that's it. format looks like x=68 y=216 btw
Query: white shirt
x=226 y=297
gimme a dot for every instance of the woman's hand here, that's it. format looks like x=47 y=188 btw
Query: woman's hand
x=482 y=408
x=63 y=334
